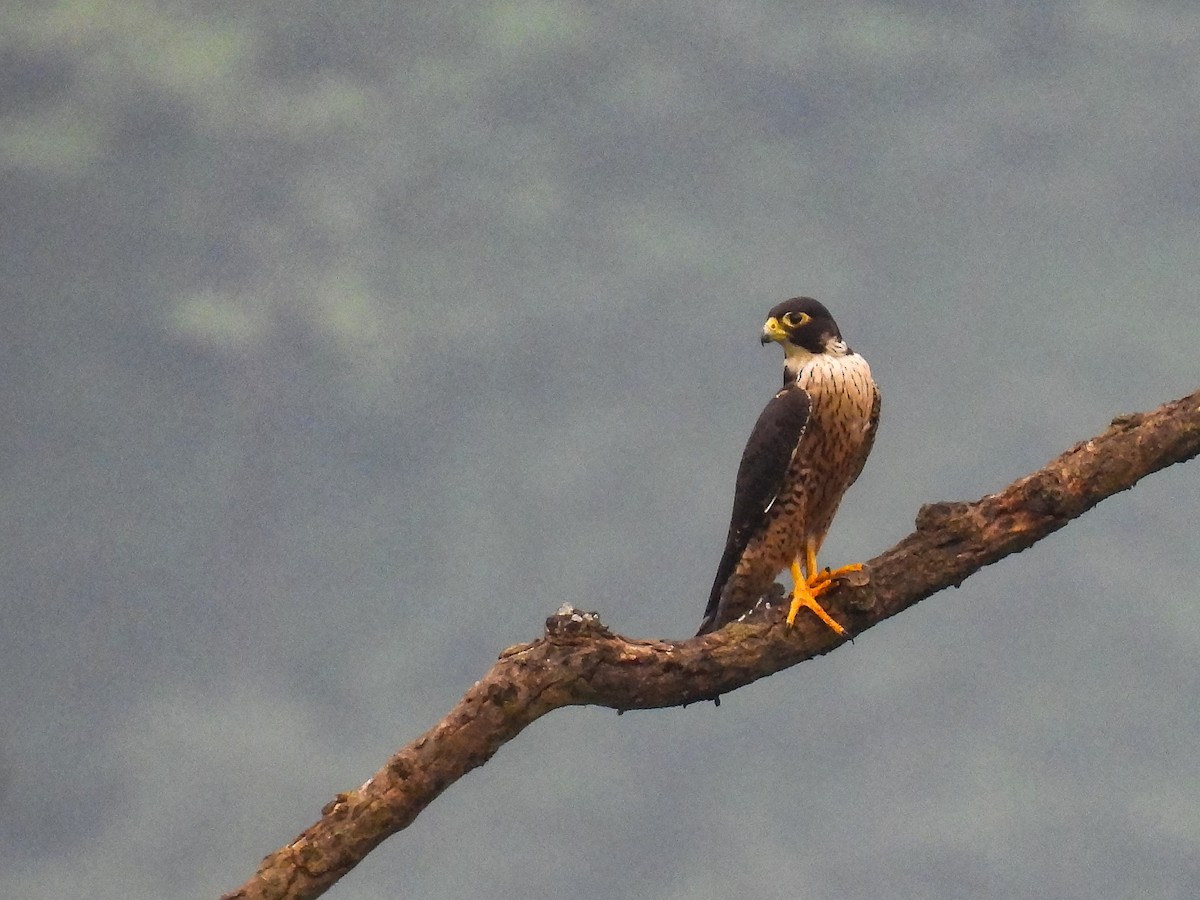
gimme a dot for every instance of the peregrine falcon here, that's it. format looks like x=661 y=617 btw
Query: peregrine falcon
x=807 y=447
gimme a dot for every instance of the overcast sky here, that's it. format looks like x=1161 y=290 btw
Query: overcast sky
x=342 y=343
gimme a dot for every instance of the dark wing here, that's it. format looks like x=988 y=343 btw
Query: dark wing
x=765 y=462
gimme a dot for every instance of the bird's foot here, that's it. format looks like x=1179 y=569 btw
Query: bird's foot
x=805 y=600
x=804 y=597
x=823 y=580
x=807 y=590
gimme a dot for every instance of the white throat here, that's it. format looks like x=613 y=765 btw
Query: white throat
x=801 y=364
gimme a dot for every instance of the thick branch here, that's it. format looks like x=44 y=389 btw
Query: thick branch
x=579 y=661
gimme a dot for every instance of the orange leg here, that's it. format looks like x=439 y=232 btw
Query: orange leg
x=820 y=582
x=805 y=595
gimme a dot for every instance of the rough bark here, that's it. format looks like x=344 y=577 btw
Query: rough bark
x=579 y=661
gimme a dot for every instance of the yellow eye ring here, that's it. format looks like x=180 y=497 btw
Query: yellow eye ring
x=796 y=319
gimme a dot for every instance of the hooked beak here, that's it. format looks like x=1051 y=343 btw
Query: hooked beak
x=772 y=330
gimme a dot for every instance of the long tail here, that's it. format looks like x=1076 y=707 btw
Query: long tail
x=712 y=619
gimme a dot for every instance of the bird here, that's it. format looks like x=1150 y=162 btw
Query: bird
x=808 y=446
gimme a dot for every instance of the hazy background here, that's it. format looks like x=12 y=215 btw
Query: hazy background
x=342 y=343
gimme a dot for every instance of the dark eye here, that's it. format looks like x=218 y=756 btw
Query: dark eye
x=795 y=319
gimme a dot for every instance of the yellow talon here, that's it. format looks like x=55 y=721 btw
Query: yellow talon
x=825 y=578
x=807 y=591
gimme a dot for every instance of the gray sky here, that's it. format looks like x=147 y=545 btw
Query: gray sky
x=344 y=343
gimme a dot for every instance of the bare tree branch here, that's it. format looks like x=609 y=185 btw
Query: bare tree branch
x=578 y=661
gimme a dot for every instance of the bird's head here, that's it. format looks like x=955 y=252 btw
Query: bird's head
x=804 y=327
